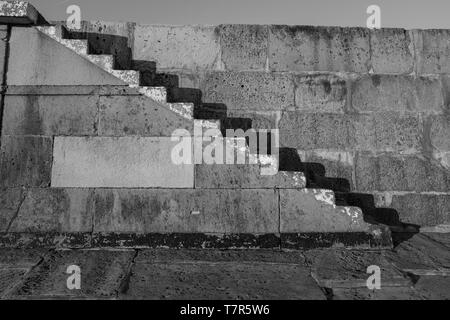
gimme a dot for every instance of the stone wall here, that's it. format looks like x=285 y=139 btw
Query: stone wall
x=371 y=106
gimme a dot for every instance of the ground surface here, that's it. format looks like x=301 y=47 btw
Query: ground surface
x=418 y=268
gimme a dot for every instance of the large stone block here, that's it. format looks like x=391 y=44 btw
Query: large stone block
x=439 y=128
x=50 y=115
x=320 y=93
x=129 y=162
x=312 y=210
x=224 y=176
x=186 y=211
x=391 y=51
x=306 y=131
x=178 y=47
x=19 y=12
x=37 y=59
x=391 y=171
x=387 y=131
x=305 y=48
x=55 y=210
x=244 y=47
x=432 y=51
x=25 y=161
x=10 y=200
x=258 y=91
x=137 y=115
x=425 y=210
x=397 y=93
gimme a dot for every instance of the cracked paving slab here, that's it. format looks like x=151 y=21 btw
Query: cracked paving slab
x=102 y=273
x=261 y=274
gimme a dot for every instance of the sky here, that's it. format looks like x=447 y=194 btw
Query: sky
x=409 y=14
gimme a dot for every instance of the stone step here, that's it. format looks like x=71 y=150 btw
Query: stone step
x=131 y=77
x=105 y=61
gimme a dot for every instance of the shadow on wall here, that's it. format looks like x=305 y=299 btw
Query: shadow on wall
x=289 y=158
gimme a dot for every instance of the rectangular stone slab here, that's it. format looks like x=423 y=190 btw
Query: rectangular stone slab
x=125 y=162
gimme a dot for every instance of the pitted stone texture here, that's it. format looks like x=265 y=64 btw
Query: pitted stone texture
x=313 y=210
x=306 y=48
x=341 y=268
x=54 y=210
x=186 y=211
x=433 y=51
x=320 y=93
x=244 y=47
x=392 y=51
x=37 y=59
x=385 y=293
x=133 y=162
x=138 y=115
x=439 y=127
x=228 y=275
x=422 y=209
x=178 y=47
x=102 y=273
x=391 y=171
x=18 y=12
x=377 y=93
x=224 y=176
x=433 y=287
x=256 y=91
x=50 y=115
x=25 y=161
x=10 y=201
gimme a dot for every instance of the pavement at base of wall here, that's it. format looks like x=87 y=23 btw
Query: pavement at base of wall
x=417 y=268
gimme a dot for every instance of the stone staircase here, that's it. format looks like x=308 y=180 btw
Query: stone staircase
x=102 y=176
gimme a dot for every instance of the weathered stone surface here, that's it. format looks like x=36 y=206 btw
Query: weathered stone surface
x=315 y=131
x=19 y=258
x=387 y=131
x=334 y=268
x=257 y=91
x=420 y=255
x=50 y=115
x=138 y=115
x=3 y=35
x=37 y=59
x=244 y=275
x=337 y=164
x=432 y=50
x=178 y=47
x=385 y=293
x=10 y=200
x=244 y=47
x=320 y=93
x=391 y=171
x=9 y=279
x=397 y=93
x=245 y=176
x=391 y=51
x=108 y=38
x=311 y=210
x=439 y=127
x=55 y=210
x=441 y=237
x=19 y=12
x=102 y=273
x=422 y=209
x=259 y=119
x=186 y=211
x=306 y=48
x=246 y=256
x=25 y=161
x=433 y=287
x=132 y=162
x=46 y=239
